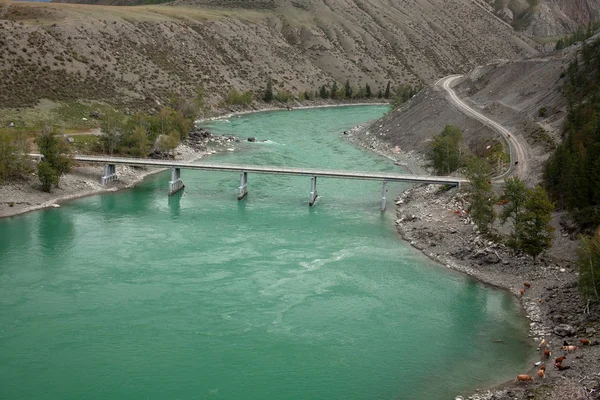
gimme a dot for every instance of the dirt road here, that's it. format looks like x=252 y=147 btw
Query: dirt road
x=517 y=149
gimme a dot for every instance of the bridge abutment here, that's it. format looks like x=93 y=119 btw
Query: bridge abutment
x=313 y=191
x=175 y=184
x=109 y=174
x=243 y=188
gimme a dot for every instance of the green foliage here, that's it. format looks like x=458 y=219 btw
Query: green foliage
x=403 y=93
x=481 y=196
x=368 y=93
x=530 y=211
x=572 y=173
x=535 y=230
x=334 y=90
x=445 y=153
x=589 y=265
x=56 y=157
x=283 y=96
x=542 y=112
x=348 y=89
x=14 y=159
x=388 y=91
x=47 y=176
x=515 y=194
x=324 y=93
x=235 y=98
x=582 y=34
x=268 y=94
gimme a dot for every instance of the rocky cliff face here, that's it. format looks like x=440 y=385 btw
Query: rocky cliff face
x=547 y=18
x=140 y=55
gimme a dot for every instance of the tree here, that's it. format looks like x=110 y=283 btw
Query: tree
x=334 y=90
x=515 y=193
x=589 y=265
x=112 y=128
x=348 y=90
x=481 y=196
x=324 y=93
x=137 y=142
x=268 y=94
x=56 y=155
x=445 y=152
x=47 y=176
x=368 y=92
x=536 y=231
x=388 y=92
x=7 y=156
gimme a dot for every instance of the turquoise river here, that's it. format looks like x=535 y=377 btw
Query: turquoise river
x=135 y=295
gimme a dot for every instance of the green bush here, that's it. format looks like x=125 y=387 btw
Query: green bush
x=235 y=98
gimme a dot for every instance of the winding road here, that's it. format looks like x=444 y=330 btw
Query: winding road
x=518 y=159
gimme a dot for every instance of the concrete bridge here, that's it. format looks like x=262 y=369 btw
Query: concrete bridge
x=176 y=184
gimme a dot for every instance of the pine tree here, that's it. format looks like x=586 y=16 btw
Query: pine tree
x=388 y=92
x=268 y=94
x=348 y=90
x=368 y=92
x=536 y=231
x=334 y=90
x=324 y=93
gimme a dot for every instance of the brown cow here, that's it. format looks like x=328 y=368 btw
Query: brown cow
x=523 y=378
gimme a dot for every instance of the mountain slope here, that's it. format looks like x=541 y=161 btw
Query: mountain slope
x=547 y=18
x=138 y=56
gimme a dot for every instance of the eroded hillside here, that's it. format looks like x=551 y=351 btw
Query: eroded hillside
x=547 y=18
x=526 y=96
x=138 y=56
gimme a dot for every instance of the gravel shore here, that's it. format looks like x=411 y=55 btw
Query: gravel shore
x=84 y=180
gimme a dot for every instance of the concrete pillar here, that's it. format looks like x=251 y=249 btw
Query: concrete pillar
x=175 y=184
x=243 y=188
x=313 y=191
x=109 y=174
x=383 y=192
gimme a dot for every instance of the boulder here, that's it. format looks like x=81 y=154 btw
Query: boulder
x=252 y=139
x=564 y=330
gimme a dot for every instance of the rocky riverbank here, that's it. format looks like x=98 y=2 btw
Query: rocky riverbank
x=84 y=180
x=435 y=221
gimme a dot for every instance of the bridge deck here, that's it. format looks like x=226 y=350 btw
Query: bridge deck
x=443 y=180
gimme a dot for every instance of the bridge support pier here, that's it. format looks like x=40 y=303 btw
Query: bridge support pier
x=383 y=192
x=313 y=191
x=109 y=174
x=175 y=184
x=243 y=188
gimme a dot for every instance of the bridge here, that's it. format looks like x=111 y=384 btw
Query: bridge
x=176 y=184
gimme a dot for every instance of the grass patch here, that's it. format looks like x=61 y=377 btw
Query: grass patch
x=86 y=144
x=69 y=116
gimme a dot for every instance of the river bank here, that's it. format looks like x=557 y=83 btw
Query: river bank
x=435 y=222
x=24 y=196
x=84 y=179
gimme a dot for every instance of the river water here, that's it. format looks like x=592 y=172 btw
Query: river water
x=136 y=295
